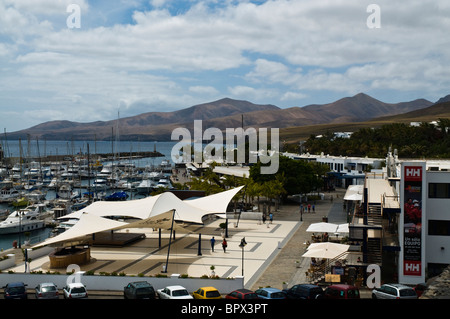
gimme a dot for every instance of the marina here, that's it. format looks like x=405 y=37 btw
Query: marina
x=36 y=190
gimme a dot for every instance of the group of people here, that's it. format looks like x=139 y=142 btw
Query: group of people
x=308 y=208
x=224 y=244
x=264 y=218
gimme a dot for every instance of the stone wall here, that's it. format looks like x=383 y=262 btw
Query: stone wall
x=438 y=287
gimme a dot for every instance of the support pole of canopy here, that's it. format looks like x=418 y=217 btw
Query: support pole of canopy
x=226 y=227
x=170 y=242
x=159 y=239
x=199 y=253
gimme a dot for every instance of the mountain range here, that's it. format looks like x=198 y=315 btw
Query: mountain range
x=230 y=113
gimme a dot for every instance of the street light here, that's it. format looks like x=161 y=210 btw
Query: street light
x=242 y=245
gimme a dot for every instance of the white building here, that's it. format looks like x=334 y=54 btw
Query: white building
x=347 y=170
x=404 y=219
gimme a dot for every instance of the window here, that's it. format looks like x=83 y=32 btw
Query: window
x=439 y=227
x=438 y=190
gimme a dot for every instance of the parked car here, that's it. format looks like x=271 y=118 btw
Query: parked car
x=304 y=291
x=420 y=288
x=394 y=291
x=139 y=290
x=341 y=291
x=270 y=293
x=15 y=290
x=75 y=290
x=46 y=290
x=207 y=293
x=242 y=294
x=174 y=292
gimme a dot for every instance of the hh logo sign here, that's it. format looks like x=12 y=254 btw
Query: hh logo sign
x=413 y=173
x=412 y=268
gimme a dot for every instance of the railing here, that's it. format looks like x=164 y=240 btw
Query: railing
x=317 y=274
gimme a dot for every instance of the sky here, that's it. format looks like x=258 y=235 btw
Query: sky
x=84 y=61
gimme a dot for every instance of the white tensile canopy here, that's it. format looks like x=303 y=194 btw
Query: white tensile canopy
x=155 y=212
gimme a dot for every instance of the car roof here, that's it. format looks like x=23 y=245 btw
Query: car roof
x=15 y=284
x=175 y=287
x=270 y=289
x=400 y=286
x=140 y=283
x=342 y=286
x=244 y=291
x=308 y=285
x=47 y=284
x=75 y=284
x=208 y=288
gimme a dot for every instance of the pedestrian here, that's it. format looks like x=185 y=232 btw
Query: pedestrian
x=224 y=245
x=213 y=241
x=309 y=208
x=314 y=208
x=264 y=218
x=271 y=217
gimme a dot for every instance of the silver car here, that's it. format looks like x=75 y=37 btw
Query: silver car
x=46 y=290
x=394 y=291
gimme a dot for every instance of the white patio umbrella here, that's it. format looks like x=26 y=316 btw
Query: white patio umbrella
x=322 y=228
x=342 y=228
x=326 y=250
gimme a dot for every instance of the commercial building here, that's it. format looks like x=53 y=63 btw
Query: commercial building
x=401 y=219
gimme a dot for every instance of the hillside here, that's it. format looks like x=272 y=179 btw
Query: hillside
x=224 y=113
x=428 y=114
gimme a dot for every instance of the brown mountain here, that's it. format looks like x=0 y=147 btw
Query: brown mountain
x=432 y=113
x=224 y=113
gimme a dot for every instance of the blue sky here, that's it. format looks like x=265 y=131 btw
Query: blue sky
x=137 y=56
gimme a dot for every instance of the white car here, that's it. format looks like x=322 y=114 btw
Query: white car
x=75 y=291
x=174 y=292
x=394 y=291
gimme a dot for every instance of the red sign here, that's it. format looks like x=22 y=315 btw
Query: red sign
x=412 y=268
x=413 y=173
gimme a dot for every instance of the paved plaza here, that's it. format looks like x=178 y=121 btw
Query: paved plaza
x=268 y=259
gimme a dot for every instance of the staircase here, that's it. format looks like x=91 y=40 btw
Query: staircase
x=318 y=275
x=374 y=250
x=374 y=216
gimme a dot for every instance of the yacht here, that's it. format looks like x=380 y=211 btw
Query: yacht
x=8 y=194
x=164 y=183
x=23 y=220
x=146 y=186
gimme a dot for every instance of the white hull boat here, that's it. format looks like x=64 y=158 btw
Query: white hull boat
x=22 y=220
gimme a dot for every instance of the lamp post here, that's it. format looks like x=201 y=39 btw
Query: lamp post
x=242 y=245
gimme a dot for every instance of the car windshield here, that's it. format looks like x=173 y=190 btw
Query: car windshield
x=179 y=293
x=251 y=296
x=212 y=293
x=407 y=292
x=48 y=289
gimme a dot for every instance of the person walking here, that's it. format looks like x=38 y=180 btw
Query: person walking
x=224 y=245
x=271 y=218
x=213 y=241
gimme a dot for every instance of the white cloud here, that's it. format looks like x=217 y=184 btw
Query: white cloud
x=160 y=57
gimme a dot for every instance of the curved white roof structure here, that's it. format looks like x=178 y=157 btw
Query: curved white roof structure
x=154 y=212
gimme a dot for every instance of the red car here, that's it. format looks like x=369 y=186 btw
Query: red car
x=341 y=291
x=242 y=294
